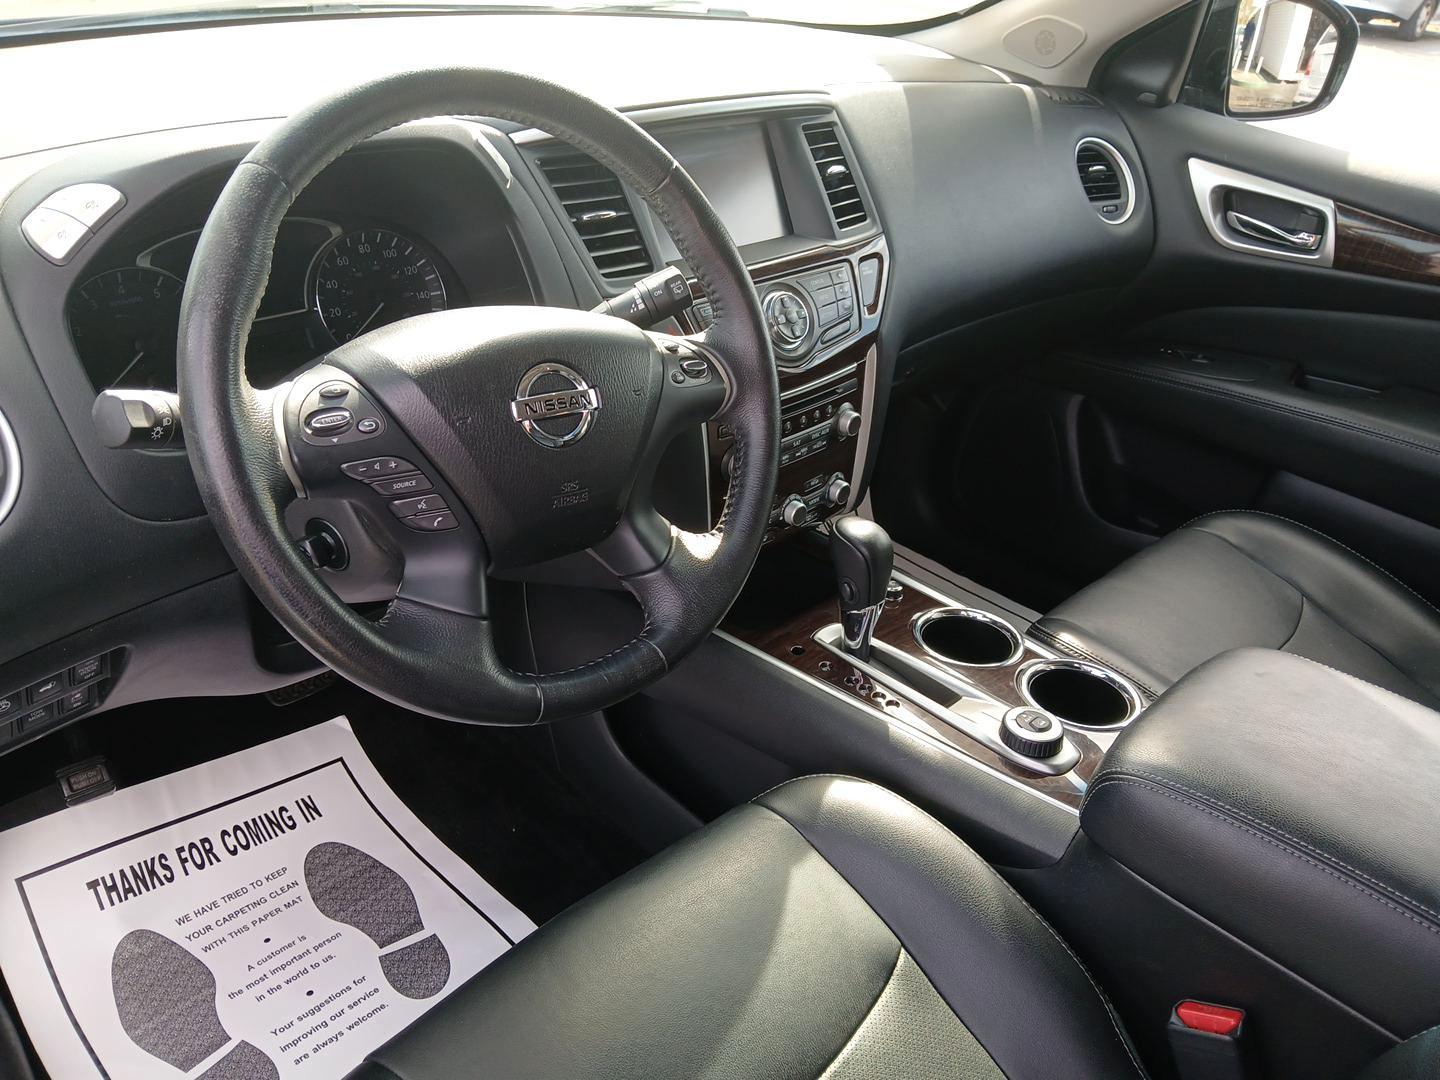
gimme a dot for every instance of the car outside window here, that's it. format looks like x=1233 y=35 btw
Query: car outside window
x=1381 y=116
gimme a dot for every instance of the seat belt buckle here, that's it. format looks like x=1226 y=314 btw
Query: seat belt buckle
x=1208 y=1042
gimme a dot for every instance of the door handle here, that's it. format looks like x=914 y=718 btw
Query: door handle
x=1256 y=229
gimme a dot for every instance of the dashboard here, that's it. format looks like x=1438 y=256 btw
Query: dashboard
x=882 y=194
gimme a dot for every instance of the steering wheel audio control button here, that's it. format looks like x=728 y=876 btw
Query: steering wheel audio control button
x=423 y=504
x=440 y=522
x=375 y=468
x=403 y=485
x=329 y=421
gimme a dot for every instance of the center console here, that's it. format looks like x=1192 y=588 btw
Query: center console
x=935 y=664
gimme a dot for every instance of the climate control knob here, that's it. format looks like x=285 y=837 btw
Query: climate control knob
x=795 y=512
x=847 y=421
x=837 y=492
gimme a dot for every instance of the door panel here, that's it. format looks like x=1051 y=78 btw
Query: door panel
x=1241 y=379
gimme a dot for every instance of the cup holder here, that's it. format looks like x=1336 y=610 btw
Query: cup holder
x=969 y=637
x=1085 y=695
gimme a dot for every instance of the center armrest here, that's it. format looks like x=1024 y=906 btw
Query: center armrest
x=1298 y=808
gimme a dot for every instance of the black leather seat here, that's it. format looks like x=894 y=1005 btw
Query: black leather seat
x=1246 y=579
x=827 y=929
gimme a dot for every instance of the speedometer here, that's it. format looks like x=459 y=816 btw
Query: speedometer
x=371 y=277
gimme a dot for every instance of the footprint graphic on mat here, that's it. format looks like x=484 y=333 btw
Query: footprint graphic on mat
x=358 y=890
x=165 y=996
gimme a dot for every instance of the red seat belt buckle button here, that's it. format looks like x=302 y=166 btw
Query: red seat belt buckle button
x=1207 y=1042
x=1213 y=1019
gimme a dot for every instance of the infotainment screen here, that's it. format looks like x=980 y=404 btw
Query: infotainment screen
x=732 y=166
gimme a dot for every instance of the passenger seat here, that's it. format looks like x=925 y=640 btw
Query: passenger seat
x=1238 y=579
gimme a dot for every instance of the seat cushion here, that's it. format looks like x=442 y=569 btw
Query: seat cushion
x=828 y=929
x=1241 y=579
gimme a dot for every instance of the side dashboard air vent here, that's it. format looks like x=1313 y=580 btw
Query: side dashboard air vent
x=1106 y=179
x=841 y=190
x=594 y=200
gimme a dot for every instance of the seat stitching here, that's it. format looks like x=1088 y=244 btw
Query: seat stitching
x=1324 y=536
x=1366 y=682
x=1329 y=871
x=1104 y=1001
x=1221 y=804
x=1055 y=640
x=1314 y=603
x=808 y=776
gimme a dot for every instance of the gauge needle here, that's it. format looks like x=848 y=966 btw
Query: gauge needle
x=138 y=356
x=371 y=319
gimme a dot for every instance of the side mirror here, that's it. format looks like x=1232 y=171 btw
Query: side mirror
x=1261 y=59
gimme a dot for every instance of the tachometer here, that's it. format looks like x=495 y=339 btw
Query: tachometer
x=124 y=323
x=372 y=277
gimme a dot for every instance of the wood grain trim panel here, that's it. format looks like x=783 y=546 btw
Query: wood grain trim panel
x=1367 y=243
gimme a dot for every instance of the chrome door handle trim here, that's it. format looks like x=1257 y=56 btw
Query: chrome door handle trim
x=1263 y=230
x=1212 y=182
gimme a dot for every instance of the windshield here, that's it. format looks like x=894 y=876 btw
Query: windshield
x=20 y=17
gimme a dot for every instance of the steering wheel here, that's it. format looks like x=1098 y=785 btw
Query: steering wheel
x=537 y=429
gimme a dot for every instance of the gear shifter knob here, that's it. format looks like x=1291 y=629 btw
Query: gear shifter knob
x=863 y=557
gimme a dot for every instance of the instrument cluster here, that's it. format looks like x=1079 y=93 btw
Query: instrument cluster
x=330 y=281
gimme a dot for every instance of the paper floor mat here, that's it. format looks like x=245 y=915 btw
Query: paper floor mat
x=275 y=913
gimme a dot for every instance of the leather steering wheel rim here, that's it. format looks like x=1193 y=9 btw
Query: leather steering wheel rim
x=425 y=657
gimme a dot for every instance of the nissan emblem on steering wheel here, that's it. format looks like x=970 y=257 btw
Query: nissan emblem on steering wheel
x=554 y=405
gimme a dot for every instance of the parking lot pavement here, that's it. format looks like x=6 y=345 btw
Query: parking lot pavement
x=1383 y=114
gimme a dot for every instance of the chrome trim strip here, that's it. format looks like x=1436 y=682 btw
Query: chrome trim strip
x=959 y=611
x=279 y=396
x=975 y=722
x=906 y=729
x=1123 y=686
x=10 y=454
x=1125 y=172
x=797 y=391
x=867 y=423
x=1210 y=182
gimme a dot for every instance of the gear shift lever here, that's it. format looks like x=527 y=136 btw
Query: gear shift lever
x=863 y=557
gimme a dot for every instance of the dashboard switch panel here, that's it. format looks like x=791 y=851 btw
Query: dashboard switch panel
x=90 y=204
x=54 y=235
x=67 y=694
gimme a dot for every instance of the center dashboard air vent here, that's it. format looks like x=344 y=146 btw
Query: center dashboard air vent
x=1106 y=179
x=841 y=190
x=598 y=208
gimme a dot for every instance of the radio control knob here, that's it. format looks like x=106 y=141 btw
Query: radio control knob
x=837 y=492
x=847 y=421
x=795 y=512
